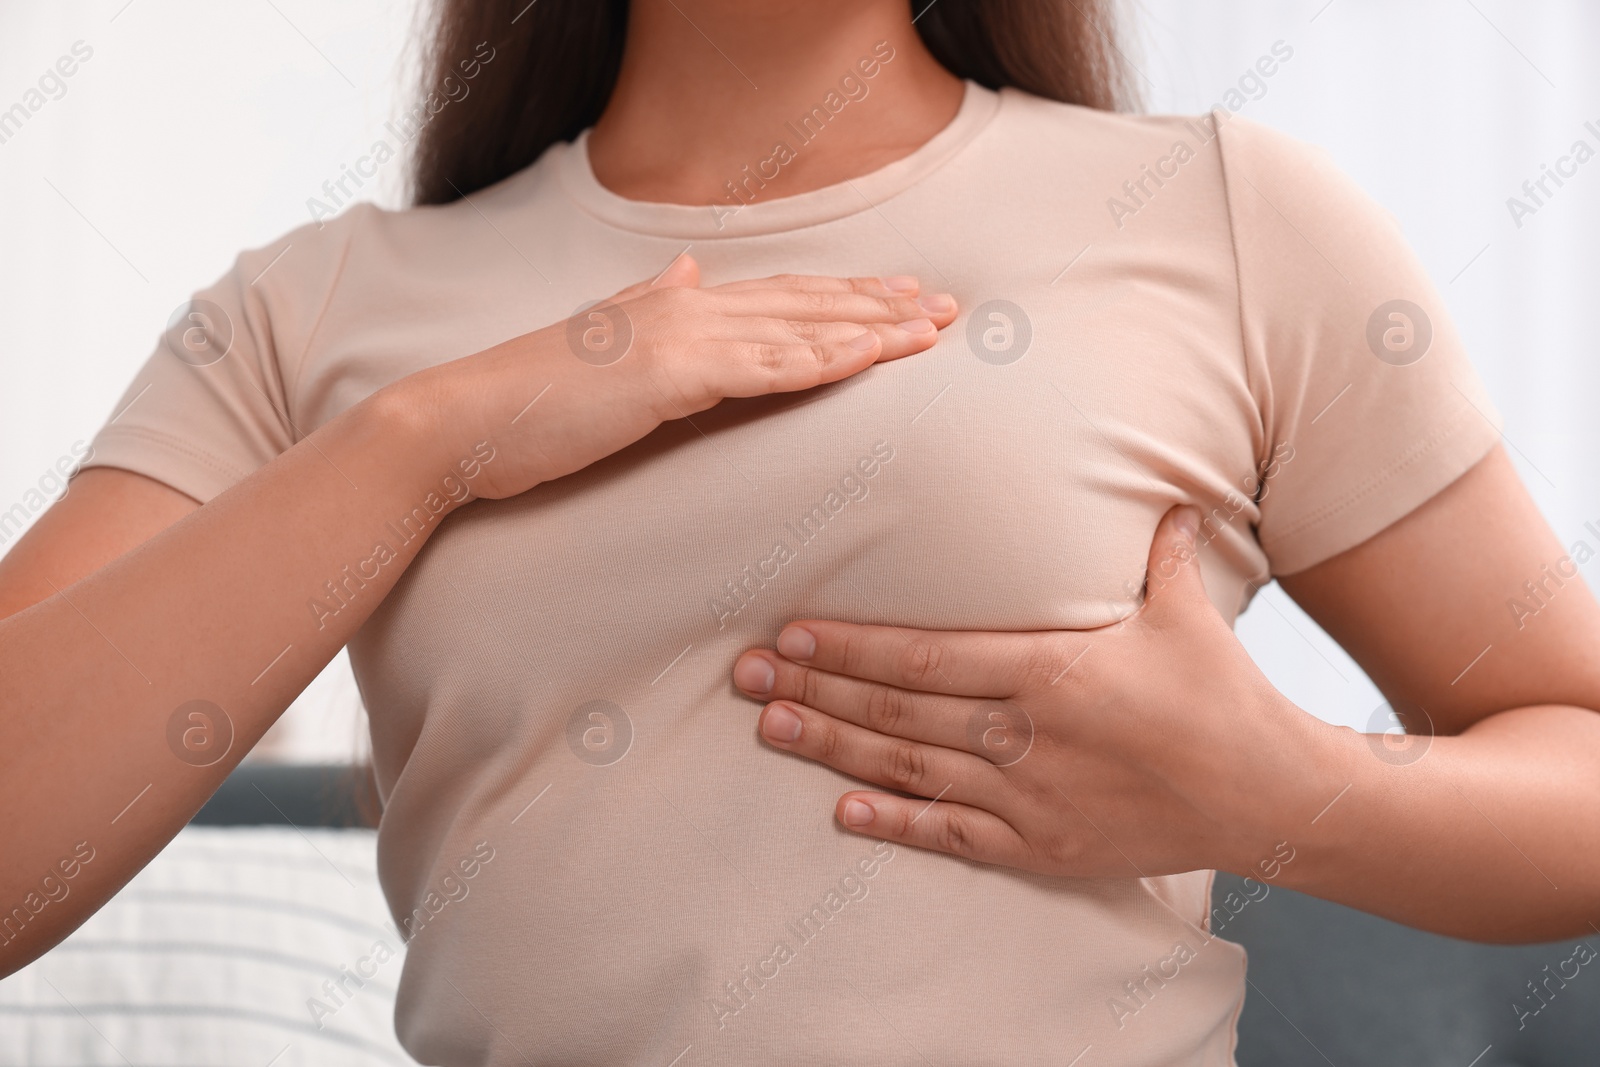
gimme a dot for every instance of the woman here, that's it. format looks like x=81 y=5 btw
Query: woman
x=1157 y=313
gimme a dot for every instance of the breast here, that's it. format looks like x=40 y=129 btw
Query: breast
x=962 y=492
x=954 y=490
x=949 y=490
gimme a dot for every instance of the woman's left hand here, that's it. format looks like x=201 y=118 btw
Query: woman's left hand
x=1150 y=746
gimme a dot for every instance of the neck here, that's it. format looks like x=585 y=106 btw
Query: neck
x=735 y=101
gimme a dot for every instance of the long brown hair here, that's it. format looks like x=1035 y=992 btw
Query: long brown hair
x=555 y=63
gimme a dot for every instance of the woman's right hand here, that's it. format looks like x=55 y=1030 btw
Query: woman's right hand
x=558 y=399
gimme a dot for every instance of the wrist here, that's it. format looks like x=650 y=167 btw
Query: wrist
x=404 y=424
x=1320 y=817
x=1302 y=775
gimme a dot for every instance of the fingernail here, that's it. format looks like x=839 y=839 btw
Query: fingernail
x=864 y=342
x=917 y=326
x=795 y=642
x=900 y=283
x=938 y=303
x=1188 y=521
x=857 y=813
x=753 y=674
x=780 y=724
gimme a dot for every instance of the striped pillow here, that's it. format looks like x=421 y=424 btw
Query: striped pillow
x=250 y=945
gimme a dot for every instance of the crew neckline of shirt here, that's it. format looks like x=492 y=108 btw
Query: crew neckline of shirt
x=978 y=107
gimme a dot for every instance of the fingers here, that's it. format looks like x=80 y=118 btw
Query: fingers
x=701 y=346
x=749 y=368
x=1173 y=573
x=753 y=369
x=825 y=306
x=942 y=826
x=682 y=271
x=928 y=717
x=897 y=339
x=959 y=662
x=904 y=338
x=892 y=285
x=893 y=762
x=724 y=368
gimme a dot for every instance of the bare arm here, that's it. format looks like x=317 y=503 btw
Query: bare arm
x=108 y=512
x=194 y=604
x=140 y=630
x=1490 y=830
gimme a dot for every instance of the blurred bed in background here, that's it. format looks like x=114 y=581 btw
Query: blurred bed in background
x=259 y=936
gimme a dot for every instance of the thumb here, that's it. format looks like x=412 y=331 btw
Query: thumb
x=1173 y=574
x=681 y=272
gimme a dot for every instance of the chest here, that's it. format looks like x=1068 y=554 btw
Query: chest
x=953 y=489
x=1009 y=478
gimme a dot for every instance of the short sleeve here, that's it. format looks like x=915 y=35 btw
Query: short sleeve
x=1369 y=405
x=212 y=402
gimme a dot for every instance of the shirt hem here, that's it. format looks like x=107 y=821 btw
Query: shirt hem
x=173 y=461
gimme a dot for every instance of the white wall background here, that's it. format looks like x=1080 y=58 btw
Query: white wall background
x=198 y=129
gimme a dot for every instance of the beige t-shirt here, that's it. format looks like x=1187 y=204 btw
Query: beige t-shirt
x=1155 y=310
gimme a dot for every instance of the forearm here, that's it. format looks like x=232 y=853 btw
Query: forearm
x=239 y=605
x=1490 y=835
